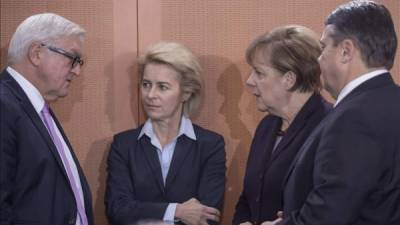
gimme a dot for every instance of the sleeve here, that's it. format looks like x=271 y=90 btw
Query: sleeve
x=212 y=182
x=169 y=215
x=347 y=167
x=8 y=161
x=122 y=207
x=242 y=210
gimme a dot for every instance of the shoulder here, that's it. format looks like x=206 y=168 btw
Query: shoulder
x=9 y=104
x=206 y=136
x=128 y=135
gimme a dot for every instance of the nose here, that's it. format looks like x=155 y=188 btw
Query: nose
x=76 y=70
x=151 y=93
x=250 y=80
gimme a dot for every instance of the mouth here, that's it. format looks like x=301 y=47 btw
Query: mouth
x=152 y=106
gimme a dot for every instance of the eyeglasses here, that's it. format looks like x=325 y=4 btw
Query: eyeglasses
x=74 y=58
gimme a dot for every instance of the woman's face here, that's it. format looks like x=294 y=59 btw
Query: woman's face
x=161 y=93
x=267 y=84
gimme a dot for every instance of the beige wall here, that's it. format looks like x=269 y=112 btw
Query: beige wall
x=104 y=100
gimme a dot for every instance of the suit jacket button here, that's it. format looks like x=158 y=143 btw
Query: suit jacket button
x=258 y=199
x=72 y=221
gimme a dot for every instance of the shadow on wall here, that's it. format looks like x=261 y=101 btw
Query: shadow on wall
x=96 y=163
x=231 y=80
x=122 y=103
x=229 y=85
x=122 y=113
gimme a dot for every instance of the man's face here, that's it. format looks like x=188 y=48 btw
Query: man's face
x=55 y=71
x=329 y=61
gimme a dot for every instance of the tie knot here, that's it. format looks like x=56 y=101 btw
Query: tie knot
x=45 y=109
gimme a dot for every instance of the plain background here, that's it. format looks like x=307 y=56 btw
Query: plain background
x=104 y=99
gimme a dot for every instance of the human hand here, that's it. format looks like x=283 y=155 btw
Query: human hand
x=272 y=222
x=192 y=212
x=246 y=223
x=280 y=214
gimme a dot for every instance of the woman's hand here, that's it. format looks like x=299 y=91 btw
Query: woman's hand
x=192 y=212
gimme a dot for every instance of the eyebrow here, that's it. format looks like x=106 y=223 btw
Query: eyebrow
x=158 y=82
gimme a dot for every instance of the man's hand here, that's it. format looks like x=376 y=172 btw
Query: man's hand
x=192 y=212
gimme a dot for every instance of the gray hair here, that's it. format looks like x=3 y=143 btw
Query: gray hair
x=45 y=27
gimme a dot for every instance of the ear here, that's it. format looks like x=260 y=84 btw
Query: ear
x=34 y=53
x=347 y=51
x=289 y=80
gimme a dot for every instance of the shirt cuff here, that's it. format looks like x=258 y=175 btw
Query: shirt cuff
x=169 y=215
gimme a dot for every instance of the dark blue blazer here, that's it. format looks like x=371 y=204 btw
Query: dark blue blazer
x=34 y=187
x=261 y=197
x=135 y=188
x=348 y=171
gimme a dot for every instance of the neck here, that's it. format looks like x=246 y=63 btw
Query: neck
x=29 y=72
x=296 y=102
x=166 y=130
x=354 y=70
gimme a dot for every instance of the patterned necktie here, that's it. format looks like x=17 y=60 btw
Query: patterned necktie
x=61 y=151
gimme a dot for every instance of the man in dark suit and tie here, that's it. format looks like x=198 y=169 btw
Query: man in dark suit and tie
x=41 y=181
x=348 y=171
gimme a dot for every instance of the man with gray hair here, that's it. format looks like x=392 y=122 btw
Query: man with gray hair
x=41 y=181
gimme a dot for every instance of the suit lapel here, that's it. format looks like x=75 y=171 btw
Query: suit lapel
x=182 y=148
x=379 y=81
x=298 y=123
x=33 y=115
x=150 y=153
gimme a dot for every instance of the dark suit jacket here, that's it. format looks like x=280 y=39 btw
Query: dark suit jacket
x=348 y=171
x=261 y=197
x=135 y=188
x=34 y=188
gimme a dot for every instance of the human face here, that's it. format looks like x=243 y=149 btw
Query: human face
x=329 y=61
x=267 y=84
x=161 y=93
x=55 y=71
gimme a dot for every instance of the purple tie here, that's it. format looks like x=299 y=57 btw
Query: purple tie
x=50 y=127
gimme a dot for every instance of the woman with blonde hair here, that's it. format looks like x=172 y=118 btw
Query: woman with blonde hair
x=168 y=168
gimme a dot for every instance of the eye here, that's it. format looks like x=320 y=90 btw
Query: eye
x=146 y=84
x=163 y=87
x=258 y=73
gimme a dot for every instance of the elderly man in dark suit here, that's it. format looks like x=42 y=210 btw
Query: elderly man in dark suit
x=41 y=181
x=348 y=171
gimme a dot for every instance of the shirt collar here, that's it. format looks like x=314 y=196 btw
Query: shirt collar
x=357 y=82
x=31 y=91
x=185 y=128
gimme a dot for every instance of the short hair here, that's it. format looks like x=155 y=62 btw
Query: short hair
x=45 y=27
x=184 y=62
x=370 y=26
x=292 y=48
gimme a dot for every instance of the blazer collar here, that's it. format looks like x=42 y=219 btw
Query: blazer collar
x=183 y=147
x=34 y=116
x=150 y=153
x=301 y=119
x=371 y=84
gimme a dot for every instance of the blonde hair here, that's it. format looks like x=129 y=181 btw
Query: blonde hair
x=185 y=63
